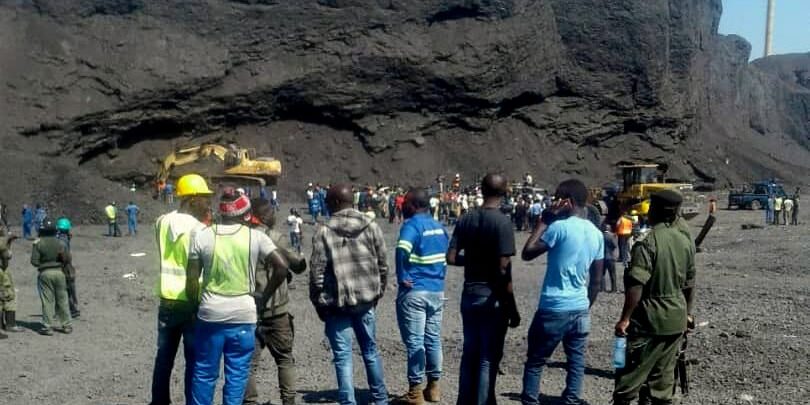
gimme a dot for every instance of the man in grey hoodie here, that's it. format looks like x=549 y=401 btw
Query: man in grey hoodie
x=348 y=275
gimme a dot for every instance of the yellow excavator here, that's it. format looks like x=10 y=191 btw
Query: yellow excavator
x=240 y=165
x=641 y=180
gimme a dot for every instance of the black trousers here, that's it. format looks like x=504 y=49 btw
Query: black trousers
x=73 y=301
x=610 y=270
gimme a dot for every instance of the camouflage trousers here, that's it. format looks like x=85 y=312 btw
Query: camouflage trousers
x=650 y=369
x=8 y=298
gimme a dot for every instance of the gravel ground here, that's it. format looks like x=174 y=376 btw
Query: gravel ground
x=753 y=293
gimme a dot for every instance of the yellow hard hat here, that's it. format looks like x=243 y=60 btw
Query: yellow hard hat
x=634 y=212
x=192 y=184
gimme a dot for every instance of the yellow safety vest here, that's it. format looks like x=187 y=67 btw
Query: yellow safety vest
x=110 y=212
x=230 y=273
x=173 y=262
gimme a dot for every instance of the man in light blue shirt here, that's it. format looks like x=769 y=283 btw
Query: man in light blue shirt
x=576 y=250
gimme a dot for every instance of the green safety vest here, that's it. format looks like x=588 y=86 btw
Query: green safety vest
x=230 y=273
x=111 y=212
x=173 y=263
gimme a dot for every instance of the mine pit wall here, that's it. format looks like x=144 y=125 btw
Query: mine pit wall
x=394 y=91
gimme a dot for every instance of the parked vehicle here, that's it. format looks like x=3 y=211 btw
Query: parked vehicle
x=755 y=196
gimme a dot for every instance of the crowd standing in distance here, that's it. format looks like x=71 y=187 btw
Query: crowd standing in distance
x=224 y=285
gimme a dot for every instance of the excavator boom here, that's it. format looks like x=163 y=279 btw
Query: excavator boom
x=238 y=164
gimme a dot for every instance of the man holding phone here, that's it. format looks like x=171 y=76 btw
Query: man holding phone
x=576 y=250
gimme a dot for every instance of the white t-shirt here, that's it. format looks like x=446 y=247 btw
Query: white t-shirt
x=434 y=202
x=275 y=194
x=220 y=308
x=294 y=223
x=310 y=194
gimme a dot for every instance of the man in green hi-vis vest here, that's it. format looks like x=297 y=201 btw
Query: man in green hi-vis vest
x=176 y=311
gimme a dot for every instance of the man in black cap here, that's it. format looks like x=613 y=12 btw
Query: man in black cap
x=659 y=294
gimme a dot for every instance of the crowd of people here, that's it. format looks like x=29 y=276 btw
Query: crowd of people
x=56 y=279
x=782 y=210
x=224 y=281
x=223 y=288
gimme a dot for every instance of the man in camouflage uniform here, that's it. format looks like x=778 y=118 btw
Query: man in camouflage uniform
x=49 y=255
x=659 y=295
x=8 y=301
x=275 y=329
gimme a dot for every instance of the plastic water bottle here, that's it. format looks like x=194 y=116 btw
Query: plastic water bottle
x=619 y=352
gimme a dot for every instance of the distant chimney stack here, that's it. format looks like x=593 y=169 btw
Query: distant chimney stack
x=769 y=28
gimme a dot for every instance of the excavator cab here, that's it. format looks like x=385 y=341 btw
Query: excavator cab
x=633 y=175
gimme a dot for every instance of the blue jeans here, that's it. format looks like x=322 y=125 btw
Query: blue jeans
x=175 y=322
x=212 y=342
x=132 y=226
x=484 y=324
x=27 y=226
x=295 y=241
x=339 y=329
x=419 y=315
x=547 y=331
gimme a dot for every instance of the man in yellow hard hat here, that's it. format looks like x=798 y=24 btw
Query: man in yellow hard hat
x=176 y=310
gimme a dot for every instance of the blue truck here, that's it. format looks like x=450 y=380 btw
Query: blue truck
x=754 y=196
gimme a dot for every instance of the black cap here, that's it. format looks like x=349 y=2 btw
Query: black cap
x=667 y=199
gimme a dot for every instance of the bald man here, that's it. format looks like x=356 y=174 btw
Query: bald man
x=484 y=242
x=348 y=275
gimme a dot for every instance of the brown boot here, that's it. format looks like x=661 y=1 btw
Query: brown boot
x=432 y=392
x=412 y=397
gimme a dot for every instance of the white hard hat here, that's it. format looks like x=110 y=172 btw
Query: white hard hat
x=240 y=190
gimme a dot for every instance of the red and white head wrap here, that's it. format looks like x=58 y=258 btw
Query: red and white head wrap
x=234 y=205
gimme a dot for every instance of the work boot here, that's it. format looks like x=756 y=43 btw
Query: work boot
x=432 y=393
x=288 y=401
x=66 y=330
x=414 y=396
x=11 y=322
x=46 y=332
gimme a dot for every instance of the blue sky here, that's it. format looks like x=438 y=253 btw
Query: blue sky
x=746 y=18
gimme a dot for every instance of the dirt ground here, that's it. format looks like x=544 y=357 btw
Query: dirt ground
x=752 y=347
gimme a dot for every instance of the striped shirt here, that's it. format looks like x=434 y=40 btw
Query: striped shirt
x=421 y=250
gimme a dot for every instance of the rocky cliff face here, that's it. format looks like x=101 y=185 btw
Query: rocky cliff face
x=398 y=90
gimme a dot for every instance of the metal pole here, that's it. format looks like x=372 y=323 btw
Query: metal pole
x=769 y=27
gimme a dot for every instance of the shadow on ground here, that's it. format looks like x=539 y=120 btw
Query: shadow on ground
x=588 y=370
x=362 y=396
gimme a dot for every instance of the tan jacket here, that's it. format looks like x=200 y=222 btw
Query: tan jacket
x=277 y=303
